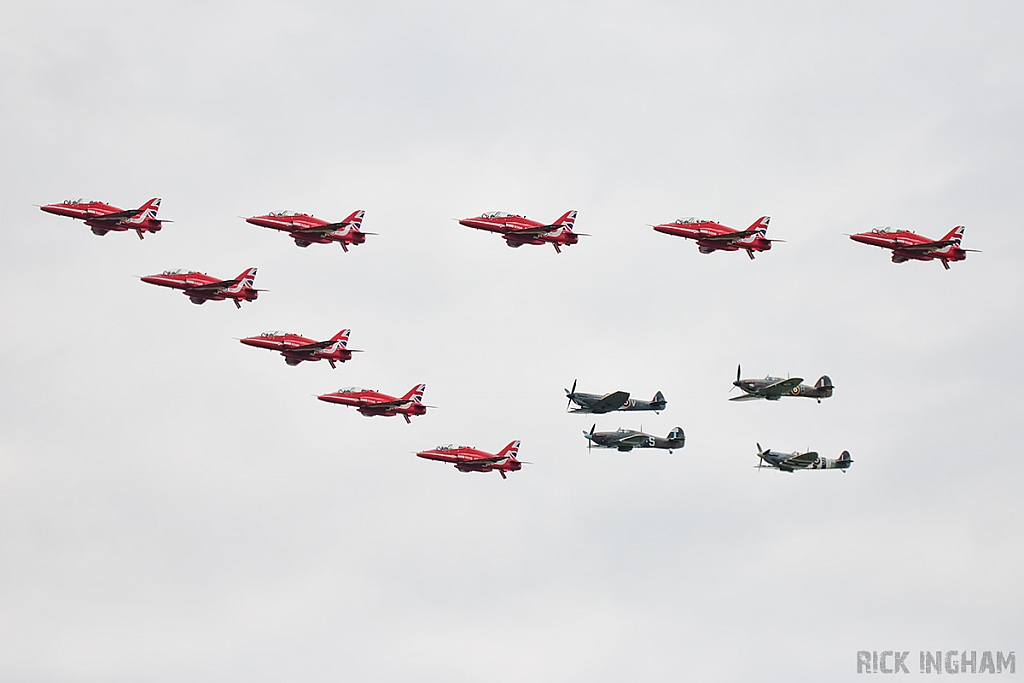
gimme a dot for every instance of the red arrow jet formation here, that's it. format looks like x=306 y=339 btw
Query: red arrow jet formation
x=469 y=459
x=306 y=229
x=295 y=348
x=104 y=218
x=519 y=230
x=712 y=236
x=370 y=403
x=200 y=287
x=907 y=245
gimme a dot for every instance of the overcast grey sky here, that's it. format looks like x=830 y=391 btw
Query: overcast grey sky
x=175 y=506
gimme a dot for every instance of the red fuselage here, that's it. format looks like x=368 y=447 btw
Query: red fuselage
x=711 y=236
x=306 y=229
x=200 y=287
x=373 y=403
x=295 y=348
x=104 y=218
x=909 y=246
x=519 y=230
x=469 y=459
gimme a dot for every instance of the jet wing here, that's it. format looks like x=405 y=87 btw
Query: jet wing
x=115 y=217
x=213 y=286
x=609 y=402
x=309 y=348
x=799 y=462
x=484 y=461
x=927 y=246
x=728 y=237
x=532 y=232
x=782 y=386
x=323 y=229
x=388 y=404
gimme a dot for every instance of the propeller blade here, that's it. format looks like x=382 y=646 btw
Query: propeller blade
x=737 y=372
x=569 y=394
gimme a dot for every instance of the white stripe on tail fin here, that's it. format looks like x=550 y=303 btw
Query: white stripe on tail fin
x=416 y=394
x=342 y=338
x=146 y=212
x=567 y=220
x=955 y=235
x=355 y=219
x=246 y=280
x=511 y=450
x=760 y=225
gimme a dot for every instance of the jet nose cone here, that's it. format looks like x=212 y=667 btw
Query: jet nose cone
x=150 y=279
x=249 y=341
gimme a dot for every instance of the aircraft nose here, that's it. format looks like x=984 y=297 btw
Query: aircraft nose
x=150 y=279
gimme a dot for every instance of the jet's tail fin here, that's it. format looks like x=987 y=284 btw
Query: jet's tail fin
x=845 y=460
x=246 y=280
x=824 y=382
x=566 y=220
x=146 y=212
x=676 y=434
x=760 y=225
x=342 y=338
x=355 y=219
x=955 y=235
x=416 y=394
x=659 y=399
x=511 y=450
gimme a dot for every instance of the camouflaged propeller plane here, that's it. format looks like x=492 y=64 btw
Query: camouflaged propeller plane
x=774 y=388
x=790 y=462
x=628 y=439
x=617 y=400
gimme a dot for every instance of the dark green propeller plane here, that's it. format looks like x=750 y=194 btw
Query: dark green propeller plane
x=617 y=400
x=628 y=439
x=774 y=388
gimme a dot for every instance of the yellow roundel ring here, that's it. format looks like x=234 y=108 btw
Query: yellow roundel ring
x=796 y=390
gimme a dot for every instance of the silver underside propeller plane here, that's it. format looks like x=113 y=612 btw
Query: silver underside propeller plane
x=790 y=462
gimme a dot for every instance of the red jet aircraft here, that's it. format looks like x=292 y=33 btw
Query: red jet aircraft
x=306 y=229
x=200 y=287
x=469 y=459
x=296 y=348
x=519 y=230
x=712 y=236
x=103 y=218
x=370 y=402
x=908 y=245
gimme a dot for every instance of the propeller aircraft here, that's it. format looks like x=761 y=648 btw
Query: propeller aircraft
x=790 y=462
x=104 y=218
x=711 y=236
x=306 y=229
x=296 y=348
x=469 y=459
x=200 y=287
x=907 y=245
x=616 y=400
x=774 y=388
x=373 y=403
x=519 y=230
x=628 y=439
